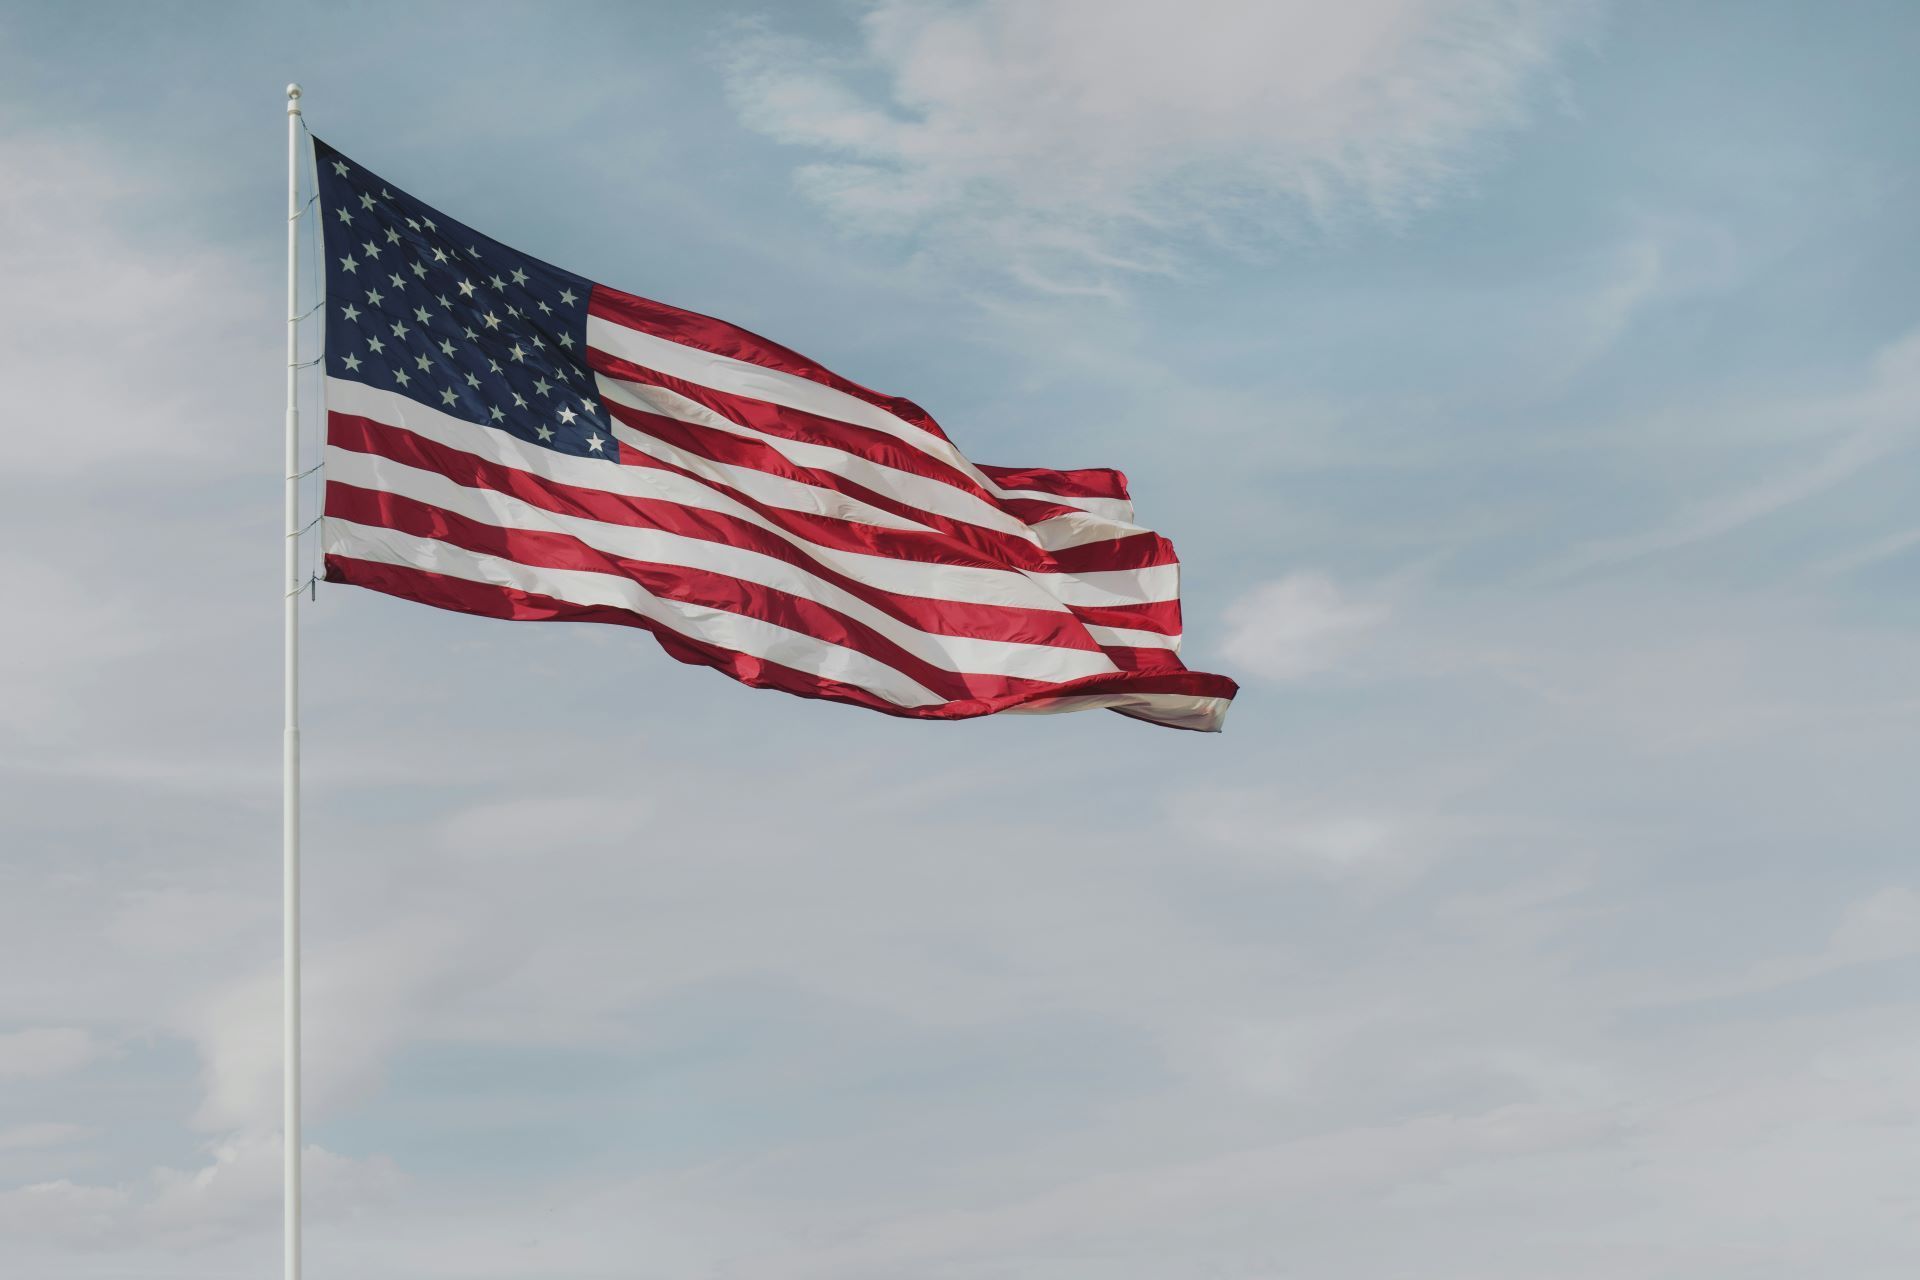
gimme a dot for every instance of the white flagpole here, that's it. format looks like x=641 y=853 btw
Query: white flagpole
x=290 y=740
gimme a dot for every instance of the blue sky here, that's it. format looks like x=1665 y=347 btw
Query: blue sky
x=1531 y=391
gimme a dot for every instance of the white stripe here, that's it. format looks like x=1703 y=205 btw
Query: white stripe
x=656 y=546
x=1130 y=638
x=1057 y=533
x=1110 y=510
x=1180 y=710
x=966 y=584
x=1106 y=587
x=774 y=386
x=430 y=423
x=764 y=640
x=916 y=490
x=963 y=583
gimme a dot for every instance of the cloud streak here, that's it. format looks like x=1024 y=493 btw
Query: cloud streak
x=1074 y=144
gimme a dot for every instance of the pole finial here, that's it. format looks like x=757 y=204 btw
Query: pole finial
x=293 y=99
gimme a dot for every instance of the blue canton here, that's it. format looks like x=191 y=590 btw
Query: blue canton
x=427 y=307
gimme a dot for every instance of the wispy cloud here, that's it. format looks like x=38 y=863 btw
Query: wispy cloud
x=1851 y=431
x=1297 y=626
x=1072 y=144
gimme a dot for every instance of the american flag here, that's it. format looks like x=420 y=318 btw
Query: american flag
x=509 y=439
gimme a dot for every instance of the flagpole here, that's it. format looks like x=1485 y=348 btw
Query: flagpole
x=290 y=739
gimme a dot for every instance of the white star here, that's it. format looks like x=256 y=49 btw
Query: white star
x=366 y=201
x=566 y=296
x=348 y=265
x=513 y=311
x=473 y=381
x=446 y=346
x=519 y=401
x=398 y=283
x=545 y=310
x=375 y=345
x=447 y=396
x=373 y=250
x=429 y=222
x=344 y=215
x=412 y=225
x=473 y=337
x=567 y=416
x=498 y=283
x=589 y=405
x=349 y=312
x=419 y=271
x=373 y=297
x=400 y=376
x=516 y=352
x=473 y=253
x=466 y=288
x=539 y=341
x=542 y=386
x=493 y=411
x=393 y=237
x=519 y=276
x=439 y=254
x=420 y=314
x=495 y=366
x=351 y=364
x=594 y=443
x=385 y=194
x=399 y=330
x=566 y=340
x=491 y=320
x=340 y=167
x=424 y=363
x=546 y=433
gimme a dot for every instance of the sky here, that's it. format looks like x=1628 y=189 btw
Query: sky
x=1531 y=390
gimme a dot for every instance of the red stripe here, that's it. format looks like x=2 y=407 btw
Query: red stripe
x=704 y=587
x=691 y=329
x=486 y=600
x=787 y=423
x=798 y=425
x=992 y=546
x=462 y=596
x=1144 y=550
x=1093 y=482
x=944 y=617
x=1162 y=616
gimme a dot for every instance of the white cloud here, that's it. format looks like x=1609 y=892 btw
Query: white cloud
x=361 y=997
x=234 y=1195
x=1079 y=140
x=1882 y=926
x=117 y=353
x=1296 y=626
x=1851 y=431
x=1269 y=829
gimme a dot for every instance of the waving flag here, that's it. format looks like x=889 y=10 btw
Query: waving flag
x=509 y=439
